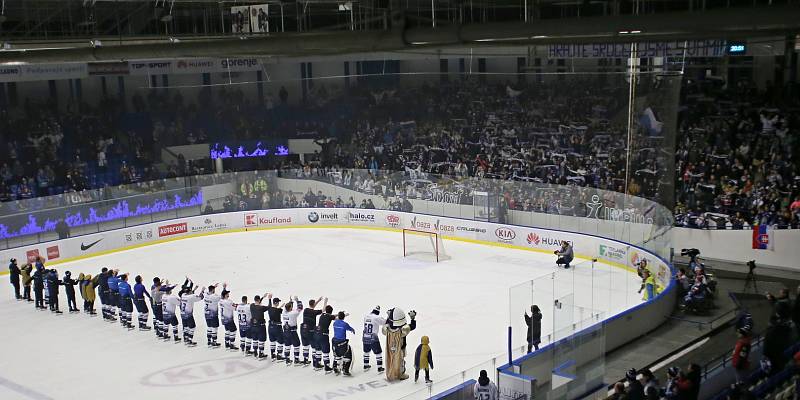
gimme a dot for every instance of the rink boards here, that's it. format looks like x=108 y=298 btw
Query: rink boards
x=586 y=247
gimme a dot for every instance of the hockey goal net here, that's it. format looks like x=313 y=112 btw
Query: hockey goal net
x=423 y=244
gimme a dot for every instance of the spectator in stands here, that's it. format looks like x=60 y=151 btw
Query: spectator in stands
x=649 y=380
x=484 y=389
x=683 y=282
x=534 y=323
x=619 y=392
x=693 y=300
x=741 y=355
x=796 y=311
x=781 y=305
x=62 y=229
x=635 y=389
x=694 y=376
x=777 y=339
x=208 y=209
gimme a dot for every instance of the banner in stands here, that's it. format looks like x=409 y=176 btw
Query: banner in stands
x=43 y=72
x=679 y=48
x=259 y=18
x=194 y=65
x=543 y=240
x=240 y=19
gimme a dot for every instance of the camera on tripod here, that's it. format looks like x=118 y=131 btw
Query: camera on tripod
x=751 y=265
x=691 y=253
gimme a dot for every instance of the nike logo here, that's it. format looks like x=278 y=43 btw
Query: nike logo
x=85 y=247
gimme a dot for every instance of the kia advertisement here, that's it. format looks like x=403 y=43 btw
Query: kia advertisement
x=505 y=234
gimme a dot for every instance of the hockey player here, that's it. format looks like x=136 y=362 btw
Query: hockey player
x=341 y=346
x=125 y=303
x=188 y=298
x=212 y=314
x=52 y=287
x=258 y=331
x=101 y=282
x=372 y=344
x=322 y=337
x=396 y=330
x=227 y=307
x=69 y=288
x=170 y=303
x=38 y=287
x=113 y=293
x=157 y=302
x=275 y=330
x=244 y=317
x=139 y=292
x=307 y=330
x=290 y=338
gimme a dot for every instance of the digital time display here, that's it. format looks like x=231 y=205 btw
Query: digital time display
x=737 y=48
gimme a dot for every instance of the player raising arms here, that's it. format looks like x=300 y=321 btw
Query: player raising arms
x=257 y=329
x=244 y=317
x=307 y=330
x=211 y=312
x=322 y=338
x=341 y=345
x=188 y=298
x=290 y=338
x=227 y=308
x=372 y=343
x=171 y=302
x=157 y=299
x=275 y=330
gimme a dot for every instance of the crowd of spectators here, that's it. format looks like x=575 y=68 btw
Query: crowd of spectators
x=734 y=158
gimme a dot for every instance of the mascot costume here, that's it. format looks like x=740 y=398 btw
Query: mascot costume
x=396 y=330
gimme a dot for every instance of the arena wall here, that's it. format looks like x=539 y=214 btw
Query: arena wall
x=736 y=246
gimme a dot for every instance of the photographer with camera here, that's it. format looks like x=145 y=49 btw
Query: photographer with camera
x=565 y=254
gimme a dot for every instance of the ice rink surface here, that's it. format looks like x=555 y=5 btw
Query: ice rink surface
x=462 y=305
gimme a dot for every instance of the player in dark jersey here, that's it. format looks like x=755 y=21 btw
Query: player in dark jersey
x=103 y=291
x=257 y=328
x=139 y=293
x=275 y=327
x=322 y=337
x=307 y=329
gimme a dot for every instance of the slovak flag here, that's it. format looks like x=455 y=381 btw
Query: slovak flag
x=761 y=237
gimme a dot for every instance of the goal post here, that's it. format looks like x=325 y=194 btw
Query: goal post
x=423 y=243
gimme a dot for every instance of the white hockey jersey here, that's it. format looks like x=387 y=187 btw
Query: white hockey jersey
x=372 y=325
x=169 y=303
x=289 y=318
x=187 y=303
x=227 y=310
x=487 y=392
x=211 y=301
x=243 y=315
